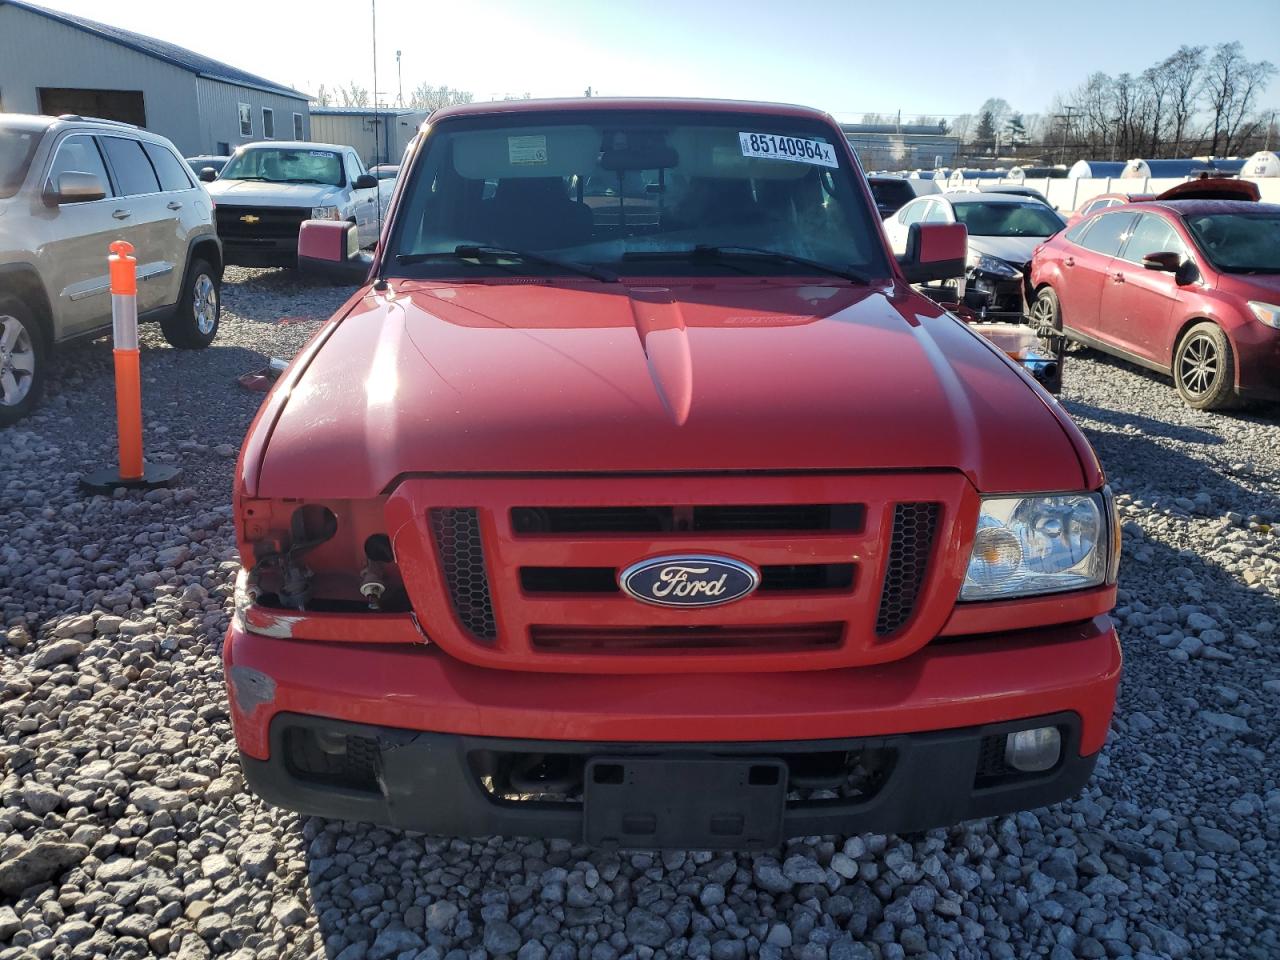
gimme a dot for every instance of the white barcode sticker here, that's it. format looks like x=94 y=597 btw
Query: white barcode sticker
x=527 y=149
x=771 y=146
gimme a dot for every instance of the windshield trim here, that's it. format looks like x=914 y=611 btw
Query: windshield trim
x=879 y=266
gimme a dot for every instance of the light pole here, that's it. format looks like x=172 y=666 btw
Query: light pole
x=399 y=82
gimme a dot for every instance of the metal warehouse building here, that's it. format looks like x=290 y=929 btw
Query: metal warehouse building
x=379 y=136
x=55 y=63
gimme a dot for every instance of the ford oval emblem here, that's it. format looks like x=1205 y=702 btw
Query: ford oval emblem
x=689 y=581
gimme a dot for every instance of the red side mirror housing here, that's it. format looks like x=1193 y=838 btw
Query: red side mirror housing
x=331 y=248
x=935 y=251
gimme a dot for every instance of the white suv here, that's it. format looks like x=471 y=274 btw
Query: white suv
x=68 y=187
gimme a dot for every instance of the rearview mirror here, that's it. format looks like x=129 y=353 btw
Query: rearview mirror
x=1164 y=261
x=365 y=181
x=74 y=187
x=208 y=174
x=331 y=249
x=935 y=251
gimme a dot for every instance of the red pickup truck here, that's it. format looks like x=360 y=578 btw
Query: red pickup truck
x=672 y=518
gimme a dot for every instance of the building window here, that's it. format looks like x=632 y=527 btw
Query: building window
x=268 y=123
x=298 y=133
x=224 y=148
x=246 y=120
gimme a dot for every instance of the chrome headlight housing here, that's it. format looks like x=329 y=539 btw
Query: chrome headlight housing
x=1267 y=313
x=1026 y=546
x=325 y=213
x=995 y=267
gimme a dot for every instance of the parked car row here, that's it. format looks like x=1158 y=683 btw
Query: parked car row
x=71 y=185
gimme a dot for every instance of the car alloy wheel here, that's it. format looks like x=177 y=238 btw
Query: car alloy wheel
x=1200 y=365
x=17 y=361
x=204 y=303
x=1042 y=314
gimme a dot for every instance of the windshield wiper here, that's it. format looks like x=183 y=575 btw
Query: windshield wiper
x=710 y=252
x=304 y=180
x=482 y=252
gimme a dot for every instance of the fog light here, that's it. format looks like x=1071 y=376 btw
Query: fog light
x=1033 y=751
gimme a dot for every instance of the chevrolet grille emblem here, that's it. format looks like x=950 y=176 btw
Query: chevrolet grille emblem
x=249 y=218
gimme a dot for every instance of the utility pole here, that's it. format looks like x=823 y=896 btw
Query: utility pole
x=1066 y=130
x=399 y=82
x=1267 y=145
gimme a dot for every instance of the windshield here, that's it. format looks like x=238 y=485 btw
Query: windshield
x=1239 y=242
x=16 y=150
x=1008 y=219
x=279 y=165
x=633 y=192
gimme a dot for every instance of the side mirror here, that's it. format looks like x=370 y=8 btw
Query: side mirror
x=935 y=251
x=74 y=187
x=365 y=181
x=331 y=249
x=1165 y=261
x=208 y=174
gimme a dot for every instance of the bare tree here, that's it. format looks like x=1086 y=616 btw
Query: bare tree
x=1093 y=103
x=353 y=95
x=323 y=97
x=1184 y=71
x=962 y=126
x=1231 y=87
x=429 y=98
x=1155 y=89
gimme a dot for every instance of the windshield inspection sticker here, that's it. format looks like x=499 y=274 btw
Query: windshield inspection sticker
x=527 y=149
x=772 y=147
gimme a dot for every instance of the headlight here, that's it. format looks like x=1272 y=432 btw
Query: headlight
x=1267 y=313
x=1034 y=545
x=995 y=267
x=246 y=594
x=325 y=213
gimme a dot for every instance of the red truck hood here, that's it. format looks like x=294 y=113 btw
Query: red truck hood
x=741 y=374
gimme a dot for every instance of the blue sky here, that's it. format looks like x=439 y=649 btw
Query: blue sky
x=846 y=57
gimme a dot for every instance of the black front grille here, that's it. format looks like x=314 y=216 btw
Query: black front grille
x=914 y=525
x=766 y=518
x=263 y=223
x=461 y=552
x=773 y=579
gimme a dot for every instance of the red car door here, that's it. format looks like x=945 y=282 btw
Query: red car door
x=1085 y=266
x=1136 y=302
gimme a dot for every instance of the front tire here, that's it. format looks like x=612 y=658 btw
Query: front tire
x=24 y=359
x=194 y=321
x=1204 y=368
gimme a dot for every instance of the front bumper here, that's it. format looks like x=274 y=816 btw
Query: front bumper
x=420 y=714
x=253 y=252
x=435 y=783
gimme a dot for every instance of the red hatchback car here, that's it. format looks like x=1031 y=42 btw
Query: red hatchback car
x=1189 y=287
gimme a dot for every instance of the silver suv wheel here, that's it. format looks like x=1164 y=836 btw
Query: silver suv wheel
x=17 y=361
x=204 y=303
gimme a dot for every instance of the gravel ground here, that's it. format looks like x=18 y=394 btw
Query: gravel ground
x=125 y=830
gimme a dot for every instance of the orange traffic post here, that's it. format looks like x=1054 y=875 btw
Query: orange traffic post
x=134 y=472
